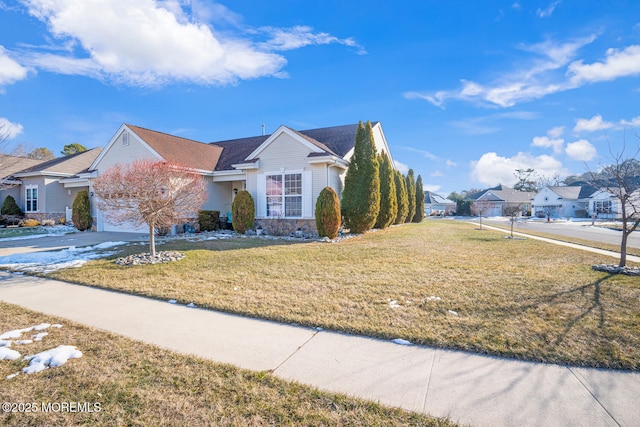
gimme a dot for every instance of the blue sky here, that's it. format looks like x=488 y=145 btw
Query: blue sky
x=467 y=91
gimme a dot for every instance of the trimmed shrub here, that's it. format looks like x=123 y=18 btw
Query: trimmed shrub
x=388 y=195
x=10 y=207
x=328 y=213
x=209 y=220
x=403 y=199
x=29 y=222
x=81 y=216
x=243 y=212
x=419 y=215
x=361 y=194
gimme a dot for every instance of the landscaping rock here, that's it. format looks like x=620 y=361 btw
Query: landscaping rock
x=146 y=258
x=615 y=269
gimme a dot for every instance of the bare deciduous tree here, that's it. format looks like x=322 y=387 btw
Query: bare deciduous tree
x=159 y=194
x=622 y=180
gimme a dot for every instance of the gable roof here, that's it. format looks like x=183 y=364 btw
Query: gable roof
x=433 y=198
x=574 y=191
x=194 y=154
x=63 y=166
x=508 y=195
x=14 y=164
x=334 y=140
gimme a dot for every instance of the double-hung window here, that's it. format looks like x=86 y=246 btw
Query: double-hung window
x=31 y=198
x=284 y=195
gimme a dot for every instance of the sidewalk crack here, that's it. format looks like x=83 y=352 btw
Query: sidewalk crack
x=576 y=376
x=273 y=371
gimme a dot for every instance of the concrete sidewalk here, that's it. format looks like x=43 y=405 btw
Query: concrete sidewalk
x=468 y=388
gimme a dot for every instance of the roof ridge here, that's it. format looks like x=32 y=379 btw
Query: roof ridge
x=164 y=133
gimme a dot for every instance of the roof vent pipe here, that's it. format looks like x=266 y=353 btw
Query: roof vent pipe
x=263 y=129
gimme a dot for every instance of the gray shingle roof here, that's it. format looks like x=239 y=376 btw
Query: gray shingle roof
x=335 y=140
x=14 y=164
x=67 y=165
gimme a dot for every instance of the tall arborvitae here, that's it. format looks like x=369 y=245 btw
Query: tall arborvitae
x=328 y=213
x=411 y=195
x=81 y=215
x=361 y=194
x=419 y=215
x=403 y=200
x=388 y=196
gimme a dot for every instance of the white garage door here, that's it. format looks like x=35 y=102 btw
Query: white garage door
x=105 y=225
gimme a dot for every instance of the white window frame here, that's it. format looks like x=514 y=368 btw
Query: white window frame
x=285 y=198
x=29 y=199
x=603 y=206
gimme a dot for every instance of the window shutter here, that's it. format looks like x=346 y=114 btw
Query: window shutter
x=307 y=194
x=262 y=196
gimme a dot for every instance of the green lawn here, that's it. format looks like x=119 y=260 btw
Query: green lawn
x=440 y=283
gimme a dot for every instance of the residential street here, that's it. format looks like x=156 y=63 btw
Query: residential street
x=575 y=229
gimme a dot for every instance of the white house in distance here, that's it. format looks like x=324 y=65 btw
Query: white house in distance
x=571 y=201
x=284 y=172
x=435 y=204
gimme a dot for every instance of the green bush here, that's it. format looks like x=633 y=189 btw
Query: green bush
x=209 y=220
x=10 y=207
x=388 y=194
x=328 y=213
x=243 y=212
x=81 y=216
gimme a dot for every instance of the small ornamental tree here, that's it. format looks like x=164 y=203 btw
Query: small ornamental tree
x=411 y=195
x=243 y=212
x=81 y=216
x=328 y=213
x=10 y=207
x=403 y=199
x=419 y=215
x=388 y=196
x=73 y=148
x=361 y=194
x=159 y=194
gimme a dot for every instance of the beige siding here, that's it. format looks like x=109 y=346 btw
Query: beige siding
x=219 y=196
x=284 y=152
x=119 y=153
x=39 y=181
x=58 y=197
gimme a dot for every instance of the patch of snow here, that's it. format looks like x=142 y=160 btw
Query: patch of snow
x=41 y=327
x=16 y=333
x=5 y=343
x=24 y=342
x=51 y=358
x=56 y=231
x=7 y=354
x=433 y=298
x=56 y=325
x=172 y=301
x=400 y=341
x=38 y=337
x=13 y=375
x=319 y=329
x=394 y=304
x=453 y=313
x=49 y=261
x=191 y=305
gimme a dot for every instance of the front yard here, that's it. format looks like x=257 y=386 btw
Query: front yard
x=438 y=283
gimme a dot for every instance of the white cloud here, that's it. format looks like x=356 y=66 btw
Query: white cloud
x=581 y=150
x=423 y=153
x=10 y=70
x=556 y=132
x=544 y=141
x=401 y=167
x=151 y=43
x=431 y=187
x=8 y=129
x=545 y=13
x=534 y=79
x=301 y=36
x=635 y=122
x=492 y=169
x=451 y=163
x=618 y=63
x=436 y=174
x=593 y=124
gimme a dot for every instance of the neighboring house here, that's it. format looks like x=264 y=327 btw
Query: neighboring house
x=572 y=201
x=8 y=166
x=500 y=201
x=435 y=204
x=284 y=172
x=47 y=189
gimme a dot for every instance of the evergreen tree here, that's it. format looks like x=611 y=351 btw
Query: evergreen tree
x=81 y=215
x=411 y=195
x=419 y=215
x=361 y=194
x=403 y=200
x=328 y=213
x=388 y=196
x=10 y=207
x=73 y=148
x=242 y=212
